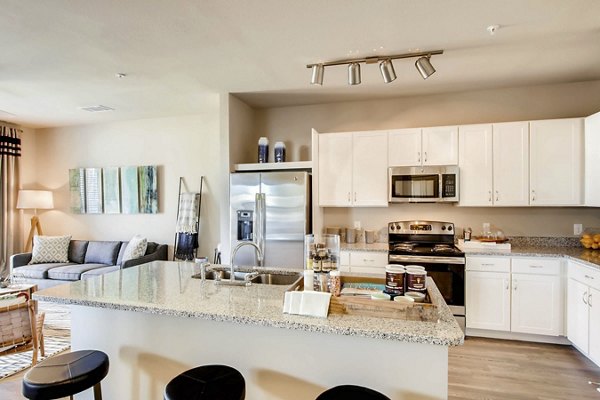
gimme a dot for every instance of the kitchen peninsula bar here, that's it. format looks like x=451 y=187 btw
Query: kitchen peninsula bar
x=154 y=321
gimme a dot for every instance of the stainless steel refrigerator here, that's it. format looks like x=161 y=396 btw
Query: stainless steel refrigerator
x=287 y=216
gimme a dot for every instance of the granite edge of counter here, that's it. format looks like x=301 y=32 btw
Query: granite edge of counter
x=568 y=253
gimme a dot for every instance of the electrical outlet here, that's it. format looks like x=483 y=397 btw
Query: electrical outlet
x=577 y=229
x=357 y=225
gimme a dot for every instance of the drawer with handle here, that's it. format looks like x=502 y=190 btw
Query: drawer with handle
x=536 y=265
x=584 y=274
x=489 y=264
x=368 y=258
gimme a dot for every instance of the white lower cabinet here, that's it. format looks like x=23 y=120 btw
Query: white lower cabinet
x=527 y=298
x=366 y=262
x=583 y=309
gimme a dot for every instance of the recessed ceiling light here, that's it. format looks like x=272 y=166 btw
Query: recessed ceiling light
x=120 y=75
x=492 y=29
x=98 y=108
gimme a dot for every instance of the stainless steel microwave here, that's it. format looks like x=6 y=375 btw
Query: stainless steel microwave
x=423 y=184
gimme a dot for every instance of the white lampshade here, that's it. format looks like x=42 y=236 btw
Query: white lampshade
x=34 y=199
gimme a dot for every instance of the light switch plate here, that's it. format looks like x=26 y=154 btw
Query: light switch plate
x=577 y=229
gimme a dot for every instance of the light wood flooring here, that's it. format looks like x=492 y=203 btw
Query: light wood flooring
x=489 y=369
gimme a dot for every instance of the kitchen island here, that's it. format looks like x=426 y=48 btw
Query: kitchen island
x=154 y=321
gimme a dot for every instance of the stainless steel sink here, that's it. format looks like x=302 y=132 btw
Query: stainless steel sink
x=252 y=277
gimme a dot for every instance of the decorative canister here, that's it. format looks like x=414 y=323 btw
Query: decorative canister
x=394 y=279
x=416 y=281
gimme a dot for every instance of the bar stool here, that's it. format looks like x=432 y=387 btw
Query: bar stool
x=351 y=392
x=66 y=375
x=207 y=382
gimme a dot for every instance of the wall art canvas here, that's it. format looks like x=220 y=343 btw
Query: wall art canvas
x=93 y=190
x=148 y=180
x=77 y=190
x=129 y=190
x=111 y=190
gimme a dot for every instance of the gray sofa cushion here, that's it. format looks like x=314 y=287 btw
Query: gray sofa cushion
x=151 y=248
x=72 y=272
x=102 y=253
x=37 y=271
x=77 y=250
x=99 y=271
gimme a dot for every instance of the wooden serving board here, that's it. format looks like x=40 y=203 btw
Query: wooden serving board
x=353 y=305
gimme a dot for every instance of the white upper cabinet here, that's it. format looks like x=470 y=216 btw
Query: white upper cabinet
x=404 y=147
x=511 y=164
x=440 y=145
x=556 y=162
x=423 y=146
x=369 y=170
x=592 y=160
x=494 y=164
x=475 y=162
x=353 y=169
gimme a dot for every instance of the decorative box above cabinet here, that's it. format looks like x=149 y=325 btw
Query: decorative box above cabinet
x=423 y=146
x=353 y=169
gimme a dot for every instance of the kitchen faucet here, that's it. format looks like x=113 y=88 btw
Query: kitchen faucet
x=259 y=256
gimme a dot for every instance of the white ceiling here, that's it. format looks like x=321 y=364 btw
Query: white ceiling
x=57 y=56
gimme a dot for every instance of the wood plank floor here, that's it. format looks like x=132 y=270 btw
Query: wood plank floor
x=502 y=369
x=489 y=369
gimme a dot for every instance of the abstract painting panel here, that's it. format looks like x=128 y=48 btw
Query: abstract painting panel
x=148 y=181
x=111 y=190
x=93 y=190
x=129 y=190
x=77 y=190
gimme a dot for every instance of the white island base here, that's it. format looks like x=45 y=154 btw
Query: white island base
x=147 y=350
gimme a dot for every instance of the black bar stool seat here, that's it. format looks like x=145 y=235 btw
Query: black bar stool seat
x=66 y=374
x=351 y=392
x=207 y=382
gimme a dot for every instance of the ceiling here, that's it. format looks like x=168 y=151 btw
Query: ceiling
x=58 y=56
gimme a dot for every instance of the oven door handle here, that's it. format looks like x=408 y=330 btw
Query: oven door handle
x=429 y=260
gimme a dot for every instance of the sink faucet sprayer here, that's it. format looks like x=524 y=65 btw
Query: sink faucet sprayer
x=259 y=256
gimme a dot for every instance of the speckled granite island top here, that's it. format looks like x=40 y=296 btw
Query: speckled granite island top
x=164 y=287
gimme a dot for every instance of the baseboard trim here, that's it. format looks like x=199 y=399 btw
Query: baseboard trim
x=526 y=337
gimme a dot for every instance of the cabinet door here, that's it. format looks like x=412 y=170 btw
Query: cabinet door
x=335 y=169
x=592 y=160
x=440 y=145
x=370 y=169
x=511 y=164
x=594 y=321
x=404 y=147
x=577 y=314
x=475 y=162
x=556 y=162
x=537 y=303
x=487 y=300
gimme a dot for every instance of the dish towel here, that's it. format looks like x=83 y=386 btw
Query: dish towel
x=187 y=229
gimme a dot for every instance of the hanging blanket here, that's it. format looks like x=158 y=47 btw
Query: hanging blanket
x=187 y=226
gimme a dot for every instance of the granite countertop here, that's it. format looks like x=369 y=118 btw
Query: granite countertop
x=164 y=287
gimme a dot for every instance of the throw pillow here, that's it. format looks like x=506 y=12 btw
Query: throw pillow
x=50 y=249
x=135 y=248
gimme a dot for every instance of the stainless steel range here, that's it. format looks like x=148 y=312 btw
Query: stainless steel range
x=431 y=245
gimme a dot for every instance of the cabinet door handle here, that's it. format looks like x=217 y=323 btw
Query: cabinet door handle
x=367 y=260
x=487 y=265
x=533 y=195
x=507 y=286
x=354 y=196
x=418 y=156
x=489 y=196
x=536 y=266
x=348 y=197
x=425 y=157
x=589 y=277
x=497 y=196
x=590 y=299
x=584 y=297
x=515 y=285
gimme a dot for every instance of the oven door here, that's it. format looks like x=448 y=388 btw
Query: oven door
x=448 y=273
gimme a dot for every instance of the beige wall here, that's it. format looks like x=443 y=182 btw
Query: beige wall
x=186 y=146
x=293 y=125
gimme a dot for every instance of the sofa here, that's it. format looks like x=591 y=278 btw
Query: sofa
x=86 y=259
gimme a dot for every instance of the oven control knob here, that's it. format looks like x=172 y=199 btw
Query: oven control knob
x=392 y=227
x=443 y=227
x=398 y=226
x=449 y=227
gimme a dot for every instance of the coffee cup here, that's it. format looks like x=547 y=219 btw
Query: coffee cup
x=350 y=235
x=370 y=237
x=342 y=235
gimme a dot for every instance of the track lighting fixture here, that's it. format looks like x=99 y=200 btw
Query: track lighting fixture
x=423 y=65
x=354 y=74
x=387 y=71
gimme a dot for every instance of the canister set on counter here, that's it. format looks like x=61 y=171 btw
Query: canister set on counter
x=354 y=235
x=406 y=281
x=321 y=263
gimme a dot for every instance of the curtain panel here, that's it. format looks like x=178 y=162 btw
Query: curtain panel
x=10 y=151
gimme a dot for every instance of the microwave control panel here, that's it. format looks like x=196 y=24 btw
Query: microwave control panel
x=448 y=185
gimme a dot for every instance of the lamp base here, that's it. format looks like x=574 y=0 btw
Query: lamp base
x=35 y=225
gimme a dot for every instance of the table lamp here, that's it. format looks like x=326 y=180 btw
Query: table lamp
x=34 y=199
